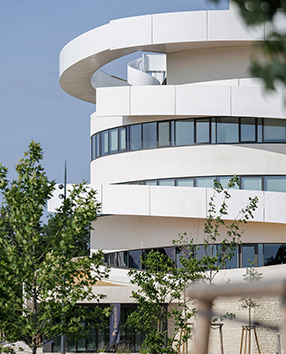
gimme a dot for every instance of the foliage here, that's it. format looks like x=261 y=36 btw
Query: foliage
x=226 y=233
x=248 y=302
x=272 y=67
x=162 y=283
x=40 y=280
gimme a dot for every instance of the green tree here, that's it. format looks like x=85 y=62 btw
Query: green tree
x=249 y=302
x=41 y=283
x=162 y=284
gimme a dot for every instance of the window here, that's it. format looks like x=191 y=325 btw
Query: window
x=224 y=180
x=151 y=183
x=227 y=130
x=275 y=183
x=184 y=132
x=166 y=182
x=185 y=182
x=97 y=145
x=274 y=130
x=113 y=140
x=135 y=137
x=274 y=254
x=122 y=259
x=205 y=182
x=247 y=130
x=149 y=135
x=134 y=259
x=251 y=183
x=248 y=255
x=202 y=131
x=93 y=147
x=122 y=139
x=163 y=133
x=104 y=141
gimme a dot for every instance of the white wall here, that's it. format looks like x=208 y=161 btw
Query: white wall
x=190 y=161
x=208 y=64
x=131 y=232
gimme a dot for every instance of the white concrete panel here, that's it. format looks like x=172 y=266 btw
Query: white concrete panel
x=239 y=199
x=255 y=101
x=85 y=45
x=129 y=200
x=202 y=100
x=275 y=207
x=98 y=123
x=113 y=101
x=179 y=27
x=132 y=31
x=187 y=161
x=227 y=24
x=209 y=64
x=178 y=202
x=133 y=232
x=151 y=100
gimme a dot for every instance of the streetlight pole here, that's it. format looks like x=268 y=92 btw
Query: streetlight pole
x=63 y=196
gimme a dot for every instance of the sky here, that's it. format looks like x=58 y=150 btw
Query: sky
x=32 y=104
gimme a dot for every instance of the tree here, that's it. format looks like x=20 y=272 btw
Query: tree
x=272 y=68
x=41 y=283
x=162 y=284
x=248 y=302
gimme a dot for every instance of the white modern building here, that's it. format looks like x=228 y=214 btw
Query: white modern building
x=188 y=113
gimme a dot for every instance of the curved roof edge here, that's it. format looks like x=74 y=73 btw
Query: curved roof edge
x=164 y=33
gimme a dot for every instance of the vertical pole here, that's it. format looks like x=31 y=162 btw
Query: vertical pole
x=284 y=318
x=63 y=337
x=221 y=340
x=256 y=338
x=249 y=340
x=241 y=342
x=203 y=326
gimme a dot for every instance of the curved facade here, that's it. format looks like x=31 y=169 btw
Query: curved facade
x=192 y=115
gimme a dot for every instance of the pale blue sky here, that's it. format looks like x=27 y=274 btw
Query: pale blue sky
x=33 y=106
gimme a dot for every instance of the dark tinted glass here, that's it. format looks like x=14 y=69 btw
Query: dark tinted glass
x=274 y=130
x=227 y=130
x=97 y=144
x=184 y=132
x=205 y=182
x=275 y=183
x=248 y=255
x=93 y=147
x=274 y=254
x=183 y=252
x=185 y=182
x=104 y=143
x=251 y=183
x=134 y=259
x=122 y=259
x=247 y=130
x=149 y=135
x=164 y=133
x=232 y=263
x=166 y=182
x=203 y=131
x=122 y=139
x=135 y=137
x=113 y=140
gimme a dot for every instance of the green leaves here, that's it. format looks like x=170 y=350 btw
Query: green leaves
x=161 y=285
x=41 y=281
